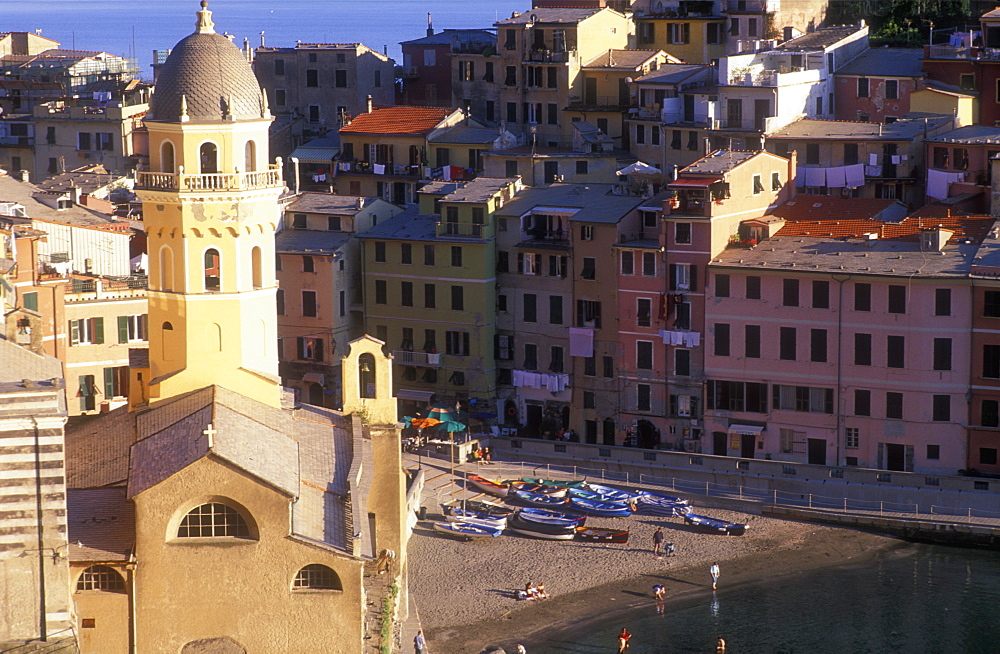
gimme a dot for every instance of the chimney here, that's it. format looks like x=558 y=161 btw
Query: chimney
x=430 y=26
x=793 y=158
x=787 y=33
x=368 y=103
x=22 y=175
x=708 y=146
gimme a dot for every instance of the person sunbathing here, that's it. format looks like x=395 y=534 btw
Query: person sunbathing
x=540 y=592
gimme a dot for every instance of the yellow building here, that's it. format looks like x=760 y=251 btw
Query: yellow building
x=213 y=514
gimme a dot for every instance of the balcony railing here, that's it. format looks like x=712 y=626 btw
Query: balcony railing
x=183 y=182
x=547 y=56
x=957 y=52
x=357 y=167
x=411 y=358
x=471 y=230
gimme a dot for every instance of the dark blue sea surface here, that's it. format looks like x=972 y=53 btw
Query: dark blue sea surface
x=137 y=27
x=915 y=599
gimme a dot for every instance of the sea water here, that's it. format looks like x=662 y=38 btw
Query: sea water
x=918 y=598
x=137 y=27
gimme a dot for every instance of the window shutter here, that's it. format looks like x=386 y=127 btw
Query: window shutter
x=74 y=332
x=300 y=352
x=123 y=329
x=318 y=353
x=520 y=262
x=98 y=330
x=693 y=278
x=84 y=393
x=538 y=264
x=673 y=277
x=109 y=383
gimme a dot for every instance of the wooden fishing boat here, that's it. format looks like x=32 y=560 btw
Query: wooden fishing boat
x=551 y=517
x=487 y=485
x=594 y=507
x=539 y=489
x=541 y=529
x=465 y=530
x=602 y=535
x=715 y=526
x=536 y=499
x=558 y=483
x=587 y=494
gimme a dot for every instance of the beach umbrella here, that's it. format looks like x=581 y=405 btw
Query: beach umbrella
x=639 y=168
x=451 y=426
x=424 y=423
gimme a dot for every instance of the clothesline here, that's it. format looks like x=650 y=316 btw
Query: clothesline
x=685 y=339
x=551 y=382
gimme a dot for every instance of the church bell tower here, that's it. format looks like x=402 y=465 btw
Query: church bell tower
x=210 y=208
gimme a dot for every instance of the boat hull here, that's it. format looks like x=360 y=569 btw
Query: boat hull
x=534 y=499
x=487 y=486
x=465 y=531
x=599 y=535
x=608 y=509
x=713 y=526
x=550 y=517
x=538 y=489
x=541 y=530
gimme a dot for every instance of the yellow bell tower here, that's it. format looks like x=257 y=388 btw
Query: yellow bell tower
x=210 y=206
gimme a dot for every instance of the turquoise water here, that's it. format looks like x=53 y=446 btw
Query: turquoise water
x=915 y=599
x=137 y=27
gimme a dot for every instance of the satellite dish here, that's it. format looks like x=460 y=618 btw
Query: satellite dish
x=628 y=80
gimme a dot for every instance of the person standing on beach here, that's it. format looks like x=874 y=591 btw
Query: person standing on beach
x=714 y=571
x=720 y=646
x=658 y=539
x=623 y=639
x=520 y=649
x=418 y=642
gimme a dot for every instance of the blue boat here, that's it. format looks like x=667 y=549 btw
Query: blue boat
x=714 y=526
x=465 y=530
x=661 y=505
x=536 y=499
x=595 y=507
x=493 y=522
x=612 y=494
x=585 y=494
x=551 y=517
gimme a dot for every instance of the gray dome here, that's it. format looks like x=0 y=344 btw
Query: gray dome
x=209 y=75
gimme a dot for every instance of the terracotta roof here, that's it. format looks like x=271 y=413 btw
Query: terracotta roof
x=397 y=120
x=623 y=59
x=852 y=218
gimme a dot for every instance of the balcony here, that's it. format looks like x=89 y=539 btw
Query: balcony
x=407 y=72
x=25 y=141
x=357 y=167
x=411 y=358
x=183 y=182
x=467 y=230
x=547 y=56
x=957 y=52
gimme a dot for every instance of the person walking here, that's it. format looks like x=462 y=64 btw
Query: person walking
x=418 y=642
x=714 y=571
x=720 y=646
x=658 y=539
x=520 y=649
x=623 y=639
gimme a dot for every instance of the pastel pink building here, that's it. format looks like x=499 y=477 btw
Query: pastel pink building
x=876 y=85
x=842 y=338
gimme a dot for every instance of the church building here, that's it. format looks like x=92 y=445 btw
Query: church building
x=213 y=513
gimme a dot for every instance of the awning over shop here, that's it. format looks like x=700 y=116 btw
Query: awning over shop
x=413 y=394
x=693 y=182
x=306 y=154
x=746 y=430
x=314 y=377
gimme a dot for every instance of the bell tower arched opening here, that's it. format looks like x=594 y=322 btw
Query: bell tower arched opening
x=167 y=158
x=213 y=273
x=250 y=157
x=208 y=158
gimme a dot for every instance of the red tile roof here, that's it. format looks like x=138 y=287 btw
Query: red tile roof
x=397 y=120
x=851 y=218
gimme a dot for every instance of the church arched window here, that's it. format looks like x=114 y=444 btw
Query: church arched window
x=213 y=273
x=256 y=267
x=101 y=577
x=316 y=576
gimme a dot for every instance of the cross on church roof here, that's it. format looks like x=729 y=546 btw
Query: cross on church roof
x=210 y=432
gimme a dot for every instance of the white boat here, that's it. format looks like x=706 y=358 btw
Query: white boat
x=465 y=530
x=490 y=523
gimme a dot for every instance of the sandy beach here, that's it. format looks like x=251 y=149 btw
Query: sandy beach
x=465 y=592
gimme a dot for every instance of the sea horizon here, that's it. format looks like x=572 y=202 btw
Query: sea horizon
x=135 y=28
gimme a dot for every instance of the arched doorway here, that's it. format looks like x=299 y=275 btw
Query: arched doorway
x=315 y=394
x=167 y=157
x=208 y=158
x=647 y=435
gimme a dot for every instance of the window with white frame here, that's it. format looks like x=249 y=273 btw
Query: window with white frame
x=643 y=312
x=852 y=438
x=213 y=520
x=101 y=577
x=86 y=331
x=316 y=577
